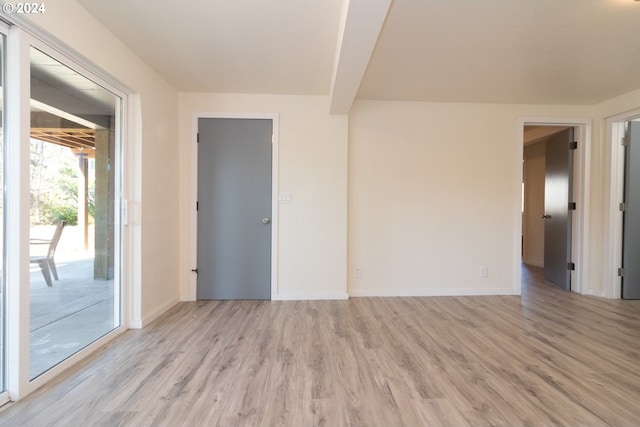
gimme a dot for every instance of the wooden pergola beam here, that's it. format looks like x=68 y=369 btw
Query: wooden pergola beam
x=81 y=139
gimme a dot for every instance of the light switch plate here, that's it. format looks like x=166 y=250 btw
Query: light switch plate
x=285 y=198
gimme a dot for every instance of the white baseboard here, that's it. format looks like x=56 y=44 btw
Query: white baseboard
x=429 y=292
x=292 y=297
x=311 y=296
x=595 y=294
x=534 y=262
x=135 y=324
x=139 y=324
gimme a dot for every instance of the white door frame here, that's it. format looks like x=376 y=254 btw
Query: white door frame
x=274 y=117
x=581 y=187
x=614 y=195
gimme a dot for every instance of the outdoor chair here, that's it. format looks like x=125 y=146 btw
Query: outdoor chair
x=46 y=262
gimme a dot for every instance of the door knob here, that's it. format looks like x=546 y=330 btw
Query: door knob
x=545 y=216
x=266 y=220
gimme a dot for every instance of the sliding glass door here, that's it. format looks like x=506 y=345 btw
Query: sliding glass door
x=74 y=280
x=61 y=233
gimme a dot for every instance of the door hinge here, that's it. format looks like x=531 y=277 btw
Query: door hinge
x=571 y=266
x=197 y=206
x=198 y=137
x=624 y=141
x=621 y=272
x=572 y=206
x=573 y=145
x=622 y=206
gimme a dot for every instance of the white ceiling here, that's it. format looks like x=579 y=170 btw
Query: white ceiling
x=499 y=51
x=246 y=46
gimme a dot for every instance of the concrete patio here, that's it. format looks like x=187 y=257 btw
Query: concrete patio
x=72 y=313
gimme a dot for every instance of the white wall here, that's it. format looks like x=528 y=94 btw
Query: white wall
x=532 y=224
x=154 y=216
x=433 y=187
x=617 y=105
x=312 y=236
x=434 y=196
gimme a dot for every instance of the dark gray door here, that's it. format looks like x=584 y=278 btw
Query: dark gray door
x=234 y=208
x=557 y=193
x=631 y=234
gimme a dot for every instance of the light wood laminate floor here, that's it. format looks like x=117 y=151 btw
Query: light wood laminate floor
x=548 y=358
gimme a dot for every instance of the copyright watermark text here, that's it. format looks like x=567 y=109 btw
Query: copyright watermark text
x=23 y=8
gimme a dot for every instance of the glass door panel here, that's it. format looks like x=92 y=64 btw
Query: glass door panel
x=74 y=253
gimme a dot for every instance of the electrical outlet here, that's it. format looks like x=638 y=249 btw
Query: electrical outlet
x=358 y=272
x=484 y=272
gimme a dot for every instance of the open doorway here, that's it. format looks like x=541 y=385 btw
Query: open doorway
x=543 y=243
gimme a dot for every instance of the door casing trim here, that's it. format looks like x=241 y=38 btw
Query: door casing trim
x=193 y=230
x=614 y=190
x=581 y=187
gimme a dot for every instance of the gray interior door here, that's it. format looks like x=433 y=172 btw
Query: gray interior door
x=557 y=216
x=234 y=208
x=631 y=234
